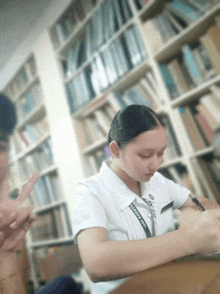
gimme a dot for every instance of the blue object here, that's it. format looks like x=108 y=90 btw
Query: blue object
x=60 y=285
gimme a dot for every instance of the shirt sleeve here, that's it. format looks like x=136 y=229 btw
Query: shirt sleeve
x=178 y=194
x=89 y=212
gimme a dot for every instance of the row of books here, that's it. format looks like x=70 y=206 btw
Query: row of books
x=29 y=134
x=179 y=174
x=94 y=160
x=84 y=49
x=202 y=118
x=97 y=118
x=53 y=224
x=70 y=19
x=23 y=77
x=190 y=68
x=208 y=169
x=106 y=68
x=29 y=101
x=106 y=20
x=174 y=18
x=36 y=161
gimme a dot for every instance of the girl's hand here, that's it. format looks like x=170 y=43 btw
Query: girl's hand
x=15 y=220
x=202 y=229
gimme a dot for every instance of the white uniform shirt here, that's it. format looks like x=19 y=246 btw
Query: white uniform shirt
x=104 y=199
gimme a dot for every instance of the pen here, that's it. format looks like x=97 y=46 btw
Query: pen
x=196 y=201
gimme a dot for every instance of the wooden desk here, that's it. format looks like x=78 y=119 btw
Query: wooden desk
x=178 y=277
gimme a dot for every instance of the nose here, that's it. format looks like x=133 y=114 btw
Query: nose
x=154 y=163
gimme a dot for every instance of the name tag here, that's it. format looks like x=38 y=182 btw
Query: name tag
x=169 y=205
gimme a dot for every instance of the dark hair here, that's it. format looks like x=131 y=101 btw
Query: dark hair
x=130 y=122
x=8 y=117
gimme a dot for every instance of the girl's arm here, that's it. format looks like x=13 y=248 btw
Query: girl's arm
x=206 y=203
x=107 y=260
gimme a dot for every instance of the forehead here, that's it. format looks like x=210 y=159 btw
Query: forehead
x=153 y=139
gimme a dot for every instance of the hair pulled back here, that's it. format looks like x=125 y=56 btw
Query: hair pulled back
x=130 y=122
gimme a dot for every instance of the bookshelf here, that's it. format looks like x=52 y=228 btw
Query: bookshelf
x=31 y=151
x=163 y=77
x=85 y=78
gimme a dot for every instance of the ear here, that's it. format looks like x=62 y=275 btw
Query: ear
x=114 y=149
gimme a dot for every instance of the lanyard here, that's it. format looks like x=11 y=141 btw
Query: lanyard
x=142 y=221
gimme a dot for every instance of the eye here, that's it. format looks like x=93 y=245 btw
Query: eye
x=144 y=156
x=161 y=154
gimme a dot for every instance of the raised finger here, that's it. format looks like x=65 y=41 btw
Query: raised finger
x=5 y=187
x=26 y=190
x=5 y=221
x=24 y=213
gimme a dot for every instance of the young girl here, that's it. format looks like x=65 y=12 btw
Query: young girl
x=123 y=221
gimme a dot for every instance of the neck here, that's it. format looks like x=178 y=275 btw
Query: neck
x=131 y=183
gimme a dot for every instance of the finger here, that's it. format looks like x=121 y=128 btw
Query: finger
x=27 y=225
x=26 y=190
x=6 y=221
x=1 y=238
x=23 y=214
x=5 y=187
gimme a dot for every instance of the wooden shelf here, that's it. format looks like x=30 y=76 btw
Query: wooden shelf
x=95 y=146
x=35 y=114
x=30 y=148
x=49 y=206
x=202 y=152
x=188 y=35
x=170 y=162
x=195 y=93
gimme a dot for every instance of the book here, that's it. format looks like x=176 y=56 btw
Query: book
x=53 y=185
x=203 y=62
x=209 y=178
x=121 y=53
x=92 y=164
x=72 y=60
x=109 y=65
x=116 y=100
x=101 y=72
x=177 y=76
x=82 y=138
x=205 y=127
x=139 y=42
x=209 y=110
x=136 y=95
x=131 y=43
x=116 y=60
x=169 y=81
x=152 y=34
x=191 y=64
x=184 y=11
x=211 y=43
x=192 y=128
x=118 y=13
x=41 y=192
x=163 y=26
x=103 y=121
x=173 y=149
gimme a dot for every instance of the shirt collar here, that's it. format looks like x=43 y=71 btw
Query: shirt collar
x=116 y=185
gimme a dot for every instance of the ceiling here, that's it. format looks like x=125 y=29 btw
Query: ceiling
x=17 y=17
